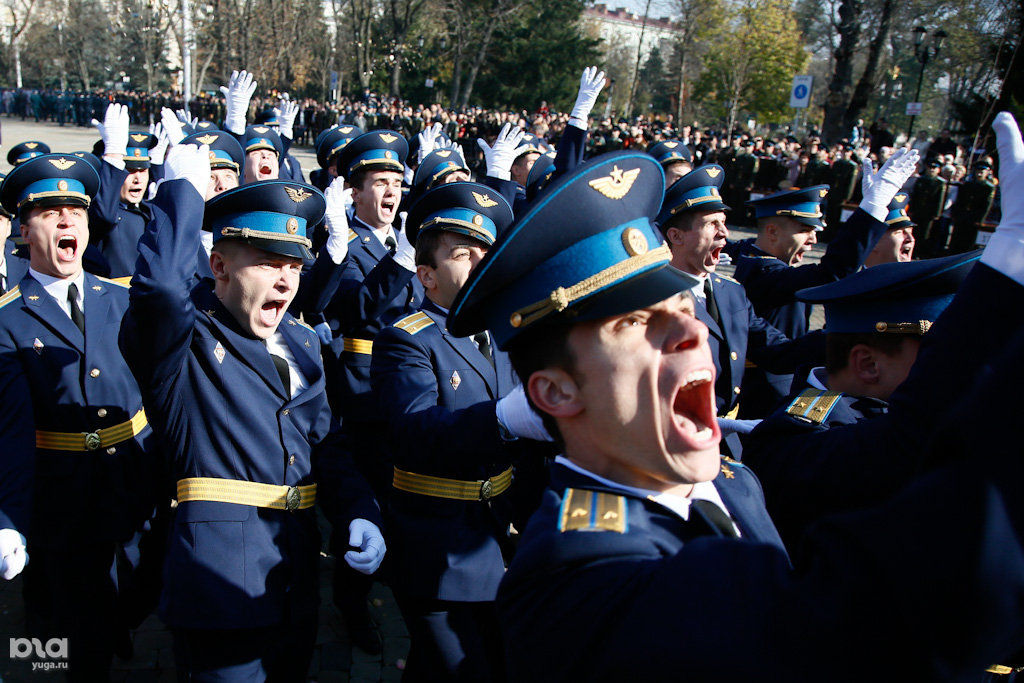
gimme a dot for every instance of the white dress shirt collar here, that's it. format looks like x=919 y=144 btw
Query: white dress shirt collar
x=58 y=288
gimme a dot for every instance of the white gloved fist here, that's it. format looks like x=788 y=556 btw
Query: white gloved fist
x=13 y=556
x=1005 y=250
x=366 y=536
x=156 y=155
x=286 y=113
x=428 y=140
x=518 y=417
x=879 y=188
x=336 y=219
x=237 y=94
x=730 y=426
x=114 y=130
x=173 y=126
x=405 y=253
x=190 y=163
x=591 y=83
x=323 y=330
x=500 y=156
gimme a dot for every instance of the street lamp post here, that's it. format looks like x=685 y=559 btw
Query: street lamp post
x=923 y=53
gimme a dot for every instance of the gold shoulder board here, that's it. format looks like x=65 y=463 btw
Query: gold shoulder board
x=415 y=322
x=814 y=405
x=584 y=510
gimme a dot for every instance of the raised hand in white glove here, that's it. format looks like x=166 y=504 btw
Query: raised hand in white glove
x=114 y=130
x=173 y=126
x=336 y=220
x=879 y=188
x=519 y=418
x=405 y=253
x=286 y=113
x=591 y=83
x=183 y=116
x=156 y=155
x=191 y=163
x=323 y=330
x=1005 y=250
x=366 y=536
x=13 y=556
x=499 y=157
x=237 y=93
x=428 y=141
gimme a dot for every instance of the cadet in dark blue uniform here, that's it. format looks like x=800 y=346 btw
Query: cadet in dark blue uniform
x=768 y=266
x=281 y=121
x=692 y=218
x=77 y=466
x=328 y=144
x=438 y=168
x=447 y=526
x=896 y=245
x=628 y=571
x=675 y=158
x=236 y=390
x=263 y=150
x=876 y=321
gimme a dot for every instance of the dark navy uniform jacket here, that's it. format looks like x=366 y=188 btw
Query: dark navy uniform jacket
x=115 y=227
x=17 y=268
x=438 y=394
x=54 y=379
x=215 y=398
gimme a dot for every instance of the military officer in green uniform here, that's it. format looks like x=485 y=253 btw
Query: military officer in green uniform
x=739 y=179
x=927 y=199
x=842 y=179
x=973 y=201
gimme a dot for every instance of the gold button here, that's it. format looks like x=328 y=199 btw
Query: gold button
x=102 y=412
x=734 y=355
x=285 y=411
x=735 y=390
x=291 y=460
x=111 y=450
x=95 y=372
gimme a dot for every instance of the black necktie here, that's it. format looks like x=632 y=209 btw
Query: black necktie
x=714 y=516
x=281 y=365
x=709 y=301
x=77 y=317
x=483 y=343
x=391 y=244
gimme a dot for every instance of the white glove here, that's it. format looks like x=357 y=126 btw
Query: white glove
x=428 y=139
x=183 y=116
x=323 y=330
x=13 y=556
x=724 y=259
x=114 y=130
x=286 y=113
x=336 y=220
x=519 y=418
x=499 y=157
x=366 y=536
x=1005 y=250
x=172 y=126
x=190 y=163
x=405 y=253
x=237 y=94
x=879 y=188
x=591 y=83
x=156 y=155
x=729 y=426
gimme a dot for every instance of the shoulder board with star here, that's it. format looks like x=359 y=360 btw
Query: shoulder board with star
x=727 y=465
x=728 y=279
x=125 y=281
x=414 y=323
x=352 y=234
x=10 y=296
x=814 y=405
x=584 y=510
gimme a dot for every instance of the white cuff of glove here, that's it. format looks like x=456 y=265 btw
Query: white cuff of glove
x=115 y=160
x=500 y=174
x=1005 y=252
x=405 y=253
x=877 y=211
x=365 y=536
x=337 y=240
x=235 y=124
x=286 y=132
x=13 y=556
x=577 y=122
x=517 y=417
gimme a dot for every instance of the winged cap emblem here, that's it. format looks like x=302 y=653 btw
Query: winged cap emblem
x=444 y=153
x=483 y=200
x=296 y=195
x=346 y=130
x=900 y=197
x=62 y=163
x=713 y=172
x=138 y=137
x=671 y=144
x=822 y=193
x=207 y=139
x=616 y=184
x=31 y=145
x=261 y=129
x=388 y=137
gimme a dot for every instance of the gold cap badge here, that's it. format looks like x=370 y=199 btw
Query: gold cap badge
x=296 y=195
x=388 y=137
x=616 y=184
x=483 y=200
x=62 y=163
x=634 y=242
x=292 y=226
x=713 y=172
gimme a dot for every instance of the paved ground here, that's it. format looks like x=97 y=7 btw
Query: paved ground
x=335 y=659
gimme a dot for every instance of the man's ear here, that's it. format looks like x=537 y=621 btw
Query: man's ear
x=426 y=276
x=23 y=227
x=555 y=392
x=674 y=235
x=219 y=266
x=864 y=363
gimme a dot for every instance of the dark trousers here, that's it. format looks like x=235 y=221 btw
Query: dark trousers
x=71 y=593
x=451 y=641
x=272 y=653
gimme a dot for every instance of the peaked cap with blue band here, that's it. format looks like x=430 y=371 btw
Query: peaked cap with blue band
x=225 y=152
x=471 y=209
x=540 y=175
x=332 y=141
x=49 y=180
x=900 y=298
x=24 y=151
x=585 y=250
x=267 y=117
x=379 y=150
x=435 y=166
x=273 y=215
x=698 y=190
x=671 y=151
x=802 y=205
x=897 y=217
x=262 y=137
x=136 y=154
x=531 y=144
